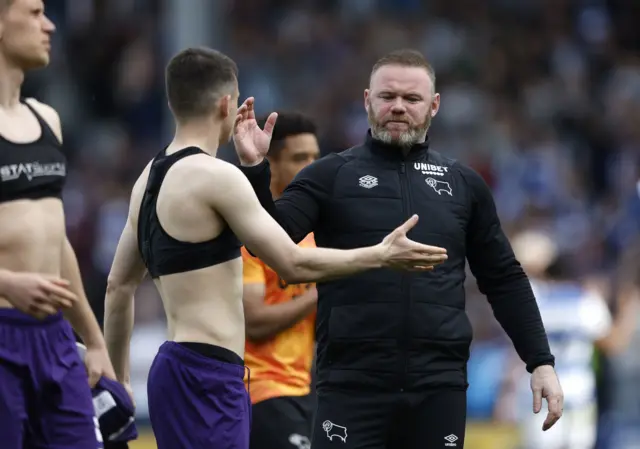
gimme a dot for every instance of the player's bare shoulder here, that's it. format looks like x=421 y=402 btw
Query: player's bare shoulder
x=208 y=177
x=49 y=114
x=199 y=177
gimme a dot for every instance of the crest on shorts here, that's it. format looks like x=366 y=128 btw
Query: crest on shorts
x=335 y=431
x=299 y=441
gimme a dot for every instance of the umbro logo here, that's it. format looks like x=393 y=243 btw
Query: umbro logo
x=368 y=181
x=299 y=441
x=451 y=440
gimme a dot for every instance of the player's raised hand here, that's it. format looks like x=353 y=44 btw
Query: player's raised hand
x=251 y=142
x=399 y=252
x=545 y=385
x=38 y=295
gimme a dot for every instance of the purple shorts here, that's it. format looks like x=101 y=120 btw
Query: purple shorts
x=198 y=402
x=45 y=399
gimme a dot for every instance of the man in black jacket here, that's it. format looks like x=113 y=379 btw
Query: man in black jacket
x=393 y=347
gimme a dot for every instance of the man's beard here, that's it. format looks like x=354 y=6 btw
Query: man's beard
x=408 y=138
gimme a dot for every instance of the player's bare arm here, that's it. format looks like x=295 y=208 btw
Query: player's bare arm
x=127 y=272
x=265 y=321
x=252 y=144
x=80 y=315
x=84 y=321
x=229 y=193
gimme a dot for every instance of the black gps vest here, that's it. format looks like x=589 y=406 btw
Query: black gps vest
x=163 y=254
x=32 y=170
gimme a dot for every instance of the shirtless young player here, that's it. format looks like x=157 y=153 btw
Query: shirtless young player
x=45 y=399
x=186 y=209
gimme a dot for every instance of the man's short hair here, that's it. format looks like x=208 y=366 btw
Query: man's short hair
x=196 y=78
x=289 y=124
x=406 y=58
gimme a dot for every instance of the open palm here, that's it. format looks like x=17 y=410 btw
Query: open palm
x=251 y=142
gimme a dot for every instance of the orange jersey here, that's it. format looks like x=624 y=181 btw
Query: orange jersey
x=280 y=366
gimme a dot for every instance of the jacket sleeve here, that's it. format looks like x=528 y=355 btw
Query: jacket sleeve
x=501 y=278
x=298 y=209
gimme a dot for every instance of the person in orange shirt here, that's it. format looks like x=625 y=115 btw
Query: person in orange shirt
x=280 y=318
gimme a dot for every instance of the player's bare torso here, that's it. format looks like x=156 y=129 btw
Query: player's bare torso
x=203 y=305
x=32 y=232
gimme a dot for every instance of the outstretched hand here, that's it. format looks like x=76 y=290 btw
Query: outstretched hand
x=400 y=252
x=251 y=142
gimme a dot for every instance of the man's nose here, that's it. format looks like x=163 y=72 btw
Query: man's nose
x=398 y=107
x=48 y=25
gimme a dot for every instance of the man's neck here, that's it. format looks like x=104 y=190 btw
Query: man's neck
x=197 y=135
x=11 y=79
x=180 y=143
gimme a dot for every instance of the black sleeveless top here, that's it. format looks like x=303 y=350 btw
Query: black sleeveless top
x=32 y=170
x=161 y=253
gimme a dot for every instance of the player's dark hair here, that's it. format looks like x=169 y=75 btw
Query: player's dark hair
x=289 y=124
x=406 y=58
x=196 y=78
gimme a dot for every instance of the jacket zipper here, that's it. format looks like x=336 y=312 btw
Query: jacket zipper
x=405 y=188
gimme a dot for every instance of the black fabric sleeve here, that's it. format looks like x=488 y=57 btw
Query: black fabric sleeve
x=501 y=278
x=300 y=205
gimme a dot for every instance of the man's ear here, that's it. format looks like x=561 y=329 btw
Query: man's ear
x=435 y=105
x=224 y=106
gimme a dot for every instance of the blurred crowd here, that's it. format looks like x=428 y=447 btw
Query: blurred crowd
x=542 y=97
